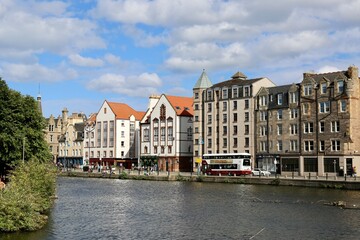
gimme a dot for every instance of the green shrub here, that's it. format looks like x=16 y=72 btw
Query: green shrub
x=28 y=197
x=123 y=175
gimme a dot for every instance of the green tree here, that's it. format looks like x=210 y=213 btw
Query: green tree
x=21 y=125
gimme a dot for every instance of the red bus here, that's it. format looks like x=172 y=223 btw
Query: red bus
x=232 y=164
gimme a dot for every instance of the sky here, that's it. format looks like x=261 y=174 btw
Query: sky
x=77 y=54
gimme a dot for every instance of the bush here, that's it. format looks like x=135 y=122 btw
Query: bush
x=28 y=197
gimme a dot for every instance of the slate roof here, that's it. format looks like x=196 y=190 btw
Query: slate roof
x=203 y=81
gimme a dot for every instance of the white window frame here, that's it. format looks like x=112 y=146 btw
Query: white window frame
x=335 y=145
x=308 y=146
x=335 y=126
x=324 y=107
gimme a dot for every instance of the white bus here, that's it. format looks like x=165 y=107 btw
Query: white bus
x=233 y=164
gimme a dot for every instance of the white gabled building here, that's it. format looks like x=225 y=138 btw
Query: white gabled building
x=166 y=134
x=116 y=136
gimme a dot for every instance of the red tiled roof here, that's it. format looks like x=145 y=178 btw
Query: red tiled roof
x=182 y=105
x=124 y=111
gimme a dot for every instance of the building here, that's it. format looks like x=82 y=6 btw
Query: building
x=116 y=136
x=277 y=123
x=224 y=115
x=311 y=127
x=166 y=134
x=71 y=139
x=52 y=135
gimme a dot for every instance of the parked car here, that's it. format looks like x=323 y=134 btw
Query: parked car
x=259 y=171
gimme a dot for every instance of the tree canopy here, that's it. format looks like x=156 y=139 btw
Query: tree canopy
x=21 y=128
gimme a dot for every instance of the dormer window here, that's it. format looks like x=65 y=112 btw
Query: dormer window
x=224 y=94
x=280 y=99
x=323 y=88
x=340 y=86
x=307 y=90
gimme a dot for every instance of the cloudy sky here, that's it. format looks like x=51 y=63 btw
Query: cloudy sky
x=79 y=53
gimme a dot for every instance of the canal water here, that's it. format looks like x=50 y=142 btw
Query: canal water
x=132 y=209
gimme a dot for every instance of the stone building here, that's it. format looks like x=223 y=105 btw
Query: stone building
x=224 y=115
x=311 y=127
x=52 y=135
x=71 y=139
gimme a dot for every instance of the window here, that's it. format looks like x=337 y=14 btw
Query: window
x=263 y=100
x=225 y=94
x=309 y=146
x=263 y=146
x=279 y=129
x=146 y=135
x=293 y=145
x=122 y=134
x=293 y=113
x=247 y=142
x=262 y=131
x=224 y=130
x=280 y=99
x=342 y=105
x=263 y=115
x=189 y=133
x=209 y=119
x=324 y=107
x=235 y=129
x=224 y=106
x=323 y=88
x=293 y=97
x=224 y=142
x=321 y=127
x=247 y=130
x=306 y=108
x=340 y=86
x=335 y=145
x=155 y=150
x=322 y=146
x=246 y=116
x=335 y=126
x=235 y=92
x=209 y=108
x=246 y=91
x=224 y=118
x=279 y=145
x=308 y=127
x=122 y=143
x=209 y=143
x=307 y=90
x=235 y=142
x=279 y=114
x=162 y=133
x=235 y=117
x=196 y=119
x=156 y=134
x=196 y=96
x=209 y=131
x=246 y=103
x=293 y=129
x=234 y=105
x=196 y=106
x=209 y=95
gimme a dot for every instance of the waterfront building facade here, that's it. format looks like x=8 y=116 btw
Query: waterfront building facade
x=71 y=139
x=224 y=116
x=116 y=135
x=166 y=134
x=52 y=135
x=310 y=128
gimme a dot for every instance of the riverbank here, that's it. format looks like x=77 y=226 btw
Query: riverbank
x=317 y=182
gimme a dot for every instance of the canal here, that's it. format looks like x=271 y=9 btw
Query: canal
x=89 y=208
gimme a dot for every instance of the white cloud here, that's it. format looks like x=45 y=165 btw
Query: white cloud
x=142 y=85
x=78 y=60
x=23 y=30
x=35 y=72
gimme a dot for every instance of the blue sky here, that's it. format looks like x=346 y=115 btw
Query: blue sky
x=80 y=53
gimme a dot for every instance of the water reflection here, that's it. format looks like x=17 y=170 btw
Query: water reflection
x=125 y=209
